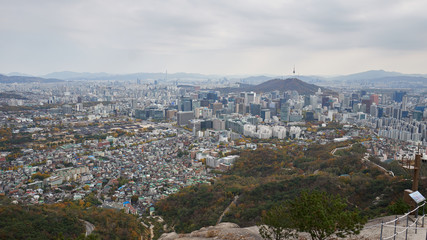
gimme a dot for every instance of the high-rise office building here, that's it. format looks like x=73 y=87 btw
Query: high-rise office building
x=398 y=96
x=186 y=104
x=265 y=114
x=255 y=109
x=375 y=99
x=285 y=111
x=184 y=118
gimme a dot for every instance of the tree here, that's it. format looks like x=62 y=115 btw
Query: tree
x=398 y=207
x=92 y=199
x=180 y=153
x=322 y=215
x=276 y=224
x=134 y=199
x=39 y=176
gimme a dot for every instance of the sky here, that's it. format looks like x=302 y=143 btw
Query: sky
x=328 y=37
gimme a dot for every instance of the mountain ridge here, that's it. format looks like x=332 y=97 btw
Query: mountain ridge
x=289 y=84
x=25 y=79
x=371 y=78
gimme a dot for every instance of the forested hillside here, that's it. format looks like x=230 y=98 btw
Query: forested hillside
x=270 y=175
x=65 y=221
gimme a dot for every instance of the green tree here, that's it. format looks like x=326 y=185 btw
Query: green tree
x=179 y=154
x=322 y=215
x=398 y=207
x=90 y=237
x=276 y=224
x=92 y=199
x=134 y=199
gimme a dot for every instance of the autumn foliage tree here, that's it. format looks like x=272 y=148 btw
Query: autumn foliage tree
x=39 y=176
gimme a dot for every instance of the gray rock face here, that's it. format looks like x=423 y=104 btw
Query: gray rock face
x=230 y=231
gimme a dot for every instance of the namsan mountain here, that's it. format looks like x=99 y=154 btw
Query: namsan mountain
x=290 y=84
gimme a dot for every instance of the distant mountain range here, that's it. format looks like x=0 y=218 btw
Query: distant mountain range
x=26 y=79
x=373 y=74
x=390 y=82
x=373 y=78
x=66 y=75
x=379 y=79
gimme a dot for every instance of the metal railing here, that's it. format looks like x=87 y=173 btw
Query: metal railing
x=393 y=224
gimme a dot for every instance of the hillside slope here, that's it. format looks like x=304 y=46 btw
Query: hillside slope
x=282 y=85
x=290 y=84
x=65 y=221
x=268 y=176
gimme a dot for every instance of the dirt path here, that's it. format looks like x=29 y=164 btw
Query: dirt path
x=89 y=227
x=227 y=209
x=372 y=229
x=364 y=159
x=340 y=148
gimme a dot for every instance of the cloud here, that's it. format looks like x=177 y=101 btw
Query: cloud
x=130 y=35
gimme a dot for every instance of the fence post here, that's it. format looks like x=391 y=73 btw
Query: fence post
x=416 y=225
x=407 y=219
x=416 y=212
x=381 y=234
x=423 y=214
x=395 y=223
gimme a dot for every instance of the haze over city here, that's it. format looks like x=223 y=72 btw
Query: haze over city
x=186 y=119
x=213 y=37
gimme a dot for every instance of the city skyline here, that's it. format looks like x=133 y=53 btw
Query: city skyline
x=213 y=37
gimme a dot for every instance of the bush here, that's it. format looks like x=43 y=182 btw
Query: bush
x=398 y=207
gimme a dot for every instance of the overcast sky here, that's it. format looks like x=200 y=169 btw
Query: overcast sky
x=325 y=37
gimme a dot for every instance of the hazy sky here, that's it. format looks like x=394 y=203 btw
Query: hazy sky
x=219 y=36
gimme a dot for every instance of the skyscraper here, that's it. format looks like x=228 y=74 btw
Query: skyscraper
x=255 y=109
x=285 y=111
x=375 y=99
x=398 y=96
x=186 y=104
x=265 y=114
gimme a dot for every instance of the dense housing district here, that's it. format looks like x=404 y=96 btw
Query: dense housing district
x=126 y=145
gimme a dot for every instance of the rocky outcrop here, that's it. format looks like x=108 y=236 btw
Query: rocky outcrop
x=229 y=231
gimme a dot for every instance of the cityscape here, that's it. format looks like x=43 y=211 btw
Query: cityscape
x=127 y=144
x=184 y=119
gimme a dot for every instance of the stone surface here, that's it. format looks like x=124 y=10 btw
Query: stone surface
x=229 y=231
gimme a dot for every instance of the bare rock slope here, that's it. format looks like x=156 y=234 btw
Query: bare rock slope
x=371 y=231
x=229 y=231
